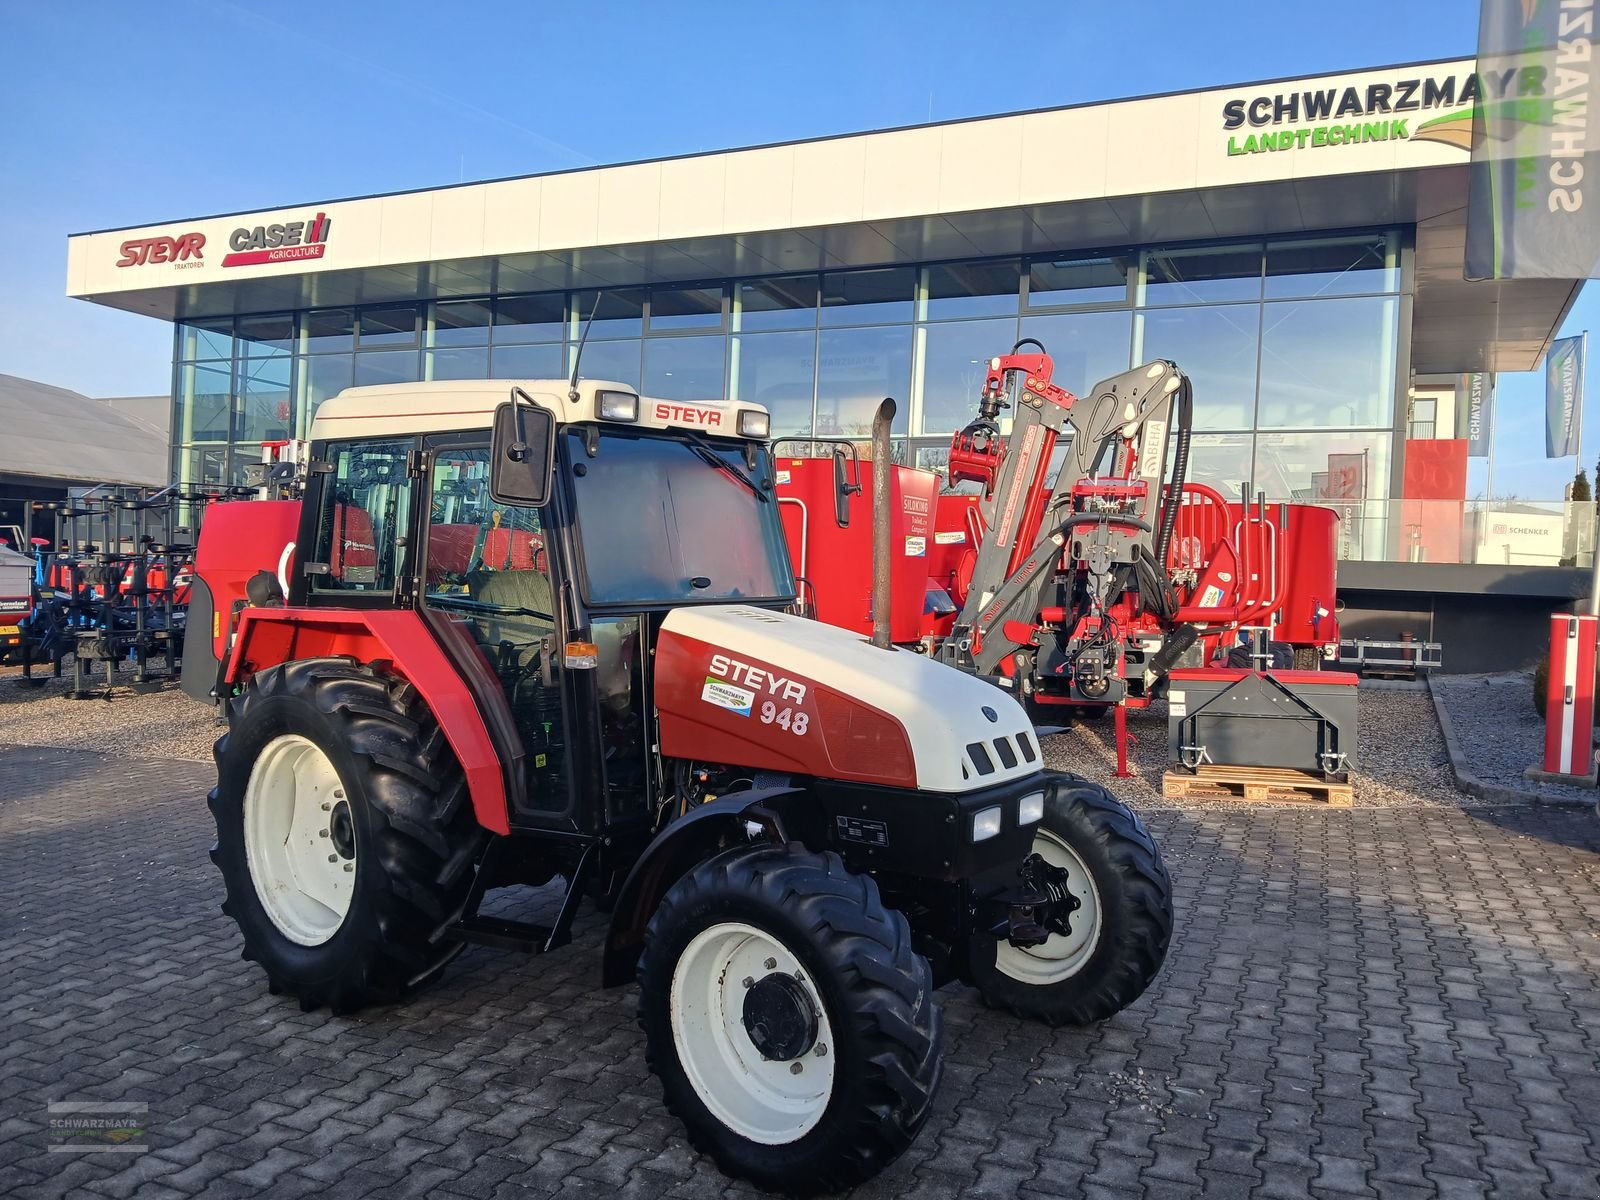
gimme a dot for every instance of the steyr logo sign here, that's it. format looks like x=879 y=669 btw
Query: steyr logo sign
x=185 y=250
x=287 y=242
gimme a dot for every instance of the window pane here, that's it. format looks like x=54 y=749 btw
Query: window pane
x=202 y=466
x=461 y=322
x=620 y=314
x=207 y=339
x=1215 y=347
x=265 y=411
x=386 y=366
x=1053 y=281
x=983 y=289
x=267 y=337
x=617 y=362
x=868 y=297
x=856 y=369
x=686 y=368
x=778 y=370
x=1086 y=346
x=1322 y=466
x=528 y=362
x=530 y=318
x=1205 y=274
x=789 y=303
x=1328 y=363
x=321 y=377
x=955 y=363
x=1220 y=460
x=685 y=308
x=203 y=401
x=392 y=326
x=331 y=329
x=1333 y=267
x=471 y=362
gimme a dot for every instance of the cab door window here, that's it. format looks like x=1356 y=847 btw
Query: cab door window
x=487 y=566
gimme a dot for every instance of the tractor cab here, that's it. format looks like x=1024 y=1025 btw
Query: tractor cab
x=541 y=540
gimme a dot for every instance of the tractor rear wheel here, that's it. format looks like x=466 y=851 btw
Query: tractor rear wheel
x=793 y=1027
x=344 y=832
x=1117 y=936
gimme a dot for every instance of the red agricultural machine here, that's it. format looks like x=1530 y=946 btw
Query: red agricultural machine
x=1076 y=573
x=498 y=640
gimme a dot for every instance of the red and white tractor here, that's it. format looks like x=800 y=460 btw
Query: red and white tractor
x=501 y=640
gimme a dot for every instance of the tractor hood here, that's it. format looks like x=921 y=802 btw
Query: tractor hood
x=763 y=689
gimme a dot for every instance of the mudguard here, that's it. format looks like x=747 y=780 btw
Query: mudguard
x=782 y=814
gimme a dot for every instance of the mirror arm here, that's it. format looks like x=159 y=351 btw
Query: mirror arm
x=518 y=450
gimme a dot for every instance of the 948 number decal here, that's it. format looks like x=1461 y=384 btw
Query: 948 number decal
x=785 y=718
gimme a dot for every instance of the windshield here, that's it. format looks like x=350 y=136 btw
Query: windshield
x=659 y=523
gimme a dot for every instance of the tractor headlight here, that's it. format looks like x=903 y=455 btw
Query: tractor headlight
x=754 y=424
x=985 y=823
x=619 y=406
x=1030 y=808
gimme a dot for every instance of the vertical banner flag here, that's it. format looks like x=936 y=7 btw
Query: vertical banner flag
x=1533 y=209
x=1475 y=412
x=1563 y=396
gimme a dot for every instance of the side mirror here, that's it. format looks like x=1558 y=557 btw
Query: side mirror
x=522 y=455
x=843 y=489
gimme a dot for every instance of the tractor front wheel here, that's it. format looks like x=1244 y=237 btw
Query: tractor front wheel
x=792 y=1025
x=1116 y=937
x=344 y=833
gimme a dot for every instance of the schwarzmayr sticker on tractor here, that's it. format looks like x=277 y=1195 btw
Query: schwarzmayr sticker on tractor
x=725 y=695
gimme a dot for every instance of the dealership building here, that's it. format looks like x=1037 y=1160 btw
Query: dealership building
x=1296 y=246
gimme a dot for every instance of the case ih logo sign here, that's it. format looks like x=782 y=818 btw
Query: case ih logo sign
x=278 y=243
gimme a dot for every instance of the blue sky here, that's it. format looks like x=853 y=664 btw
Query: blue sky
x=118 y=113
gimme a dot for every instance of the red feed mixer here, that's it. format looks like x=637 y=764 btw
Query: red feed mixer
x=1074 y=577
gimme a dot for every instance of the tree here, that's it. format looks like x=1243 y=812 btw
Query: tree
x=1580 y=487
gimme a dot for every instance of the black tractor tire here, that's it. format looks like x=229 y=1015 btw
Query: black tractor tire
x=410 y=821
x=875 y=994
x=1307 y=658
x=1119 y=949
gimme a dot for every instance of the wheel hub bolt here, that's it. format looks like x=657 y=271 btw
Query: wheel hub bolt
x=749 y=982
x=333 y=858
x=348 y=867
x=795 y=1068
x=771 y=964
x=322 y=833
x=822 y=1050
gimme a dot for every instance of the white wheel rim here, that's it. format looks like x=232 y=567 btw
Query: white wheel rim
x=760 y=1099
x=1060 y=957
x=302 y=877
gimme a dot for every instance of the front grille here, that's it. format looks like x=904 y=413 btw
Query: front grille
x=1008 y=756
x=979 y=754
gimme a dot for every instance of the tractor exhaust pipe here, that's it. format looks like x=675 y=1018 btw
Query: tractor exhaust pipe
x=881 y=563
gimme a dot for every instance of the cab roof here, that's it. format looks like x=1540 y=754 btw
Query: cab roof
x=405 y=409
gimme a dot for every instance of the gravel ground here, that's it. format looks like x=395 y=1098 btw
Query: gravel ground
x=1405 y=764
x=1403 y=756
x=1498 y=730
x=162 y=724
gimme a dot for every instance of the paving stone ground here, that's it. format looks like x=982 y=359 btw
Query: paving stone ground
x=1400 y=1003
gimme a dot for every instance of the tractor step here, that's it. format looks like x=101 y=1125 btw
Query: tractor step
x=1212 y=781
x=522 y=936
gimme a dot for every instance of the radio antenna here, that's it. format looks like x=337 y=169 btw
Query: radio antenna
x=577 y=358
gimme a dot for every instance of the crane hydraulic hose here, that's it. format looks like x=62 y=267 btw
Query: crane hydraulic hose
x=1180 y=472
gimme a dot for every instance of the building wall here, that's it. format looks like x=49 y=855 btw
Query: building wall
x=1295 y=346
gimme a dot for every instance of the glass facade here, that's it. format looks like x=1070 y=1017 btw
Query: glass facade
x=1295 y=347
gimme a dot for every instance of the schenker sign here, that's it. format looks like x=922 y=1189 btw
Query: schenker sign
x=1423 y=109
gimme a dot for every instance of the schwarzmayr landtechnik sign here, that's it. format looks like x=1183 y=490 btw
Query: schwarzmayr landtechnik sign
x=1434 y=108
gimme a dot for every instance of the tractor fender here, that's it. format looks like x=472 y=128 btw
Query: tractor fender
x=783 y=814
x=399 y=641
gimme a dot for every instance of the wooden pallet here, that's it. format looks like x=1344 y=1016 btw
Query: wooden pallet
x=1256 y=783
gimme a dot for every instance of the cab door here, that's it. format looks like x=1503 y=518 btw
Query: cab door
x=488 y=587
